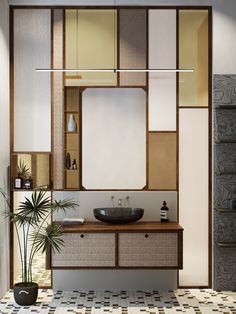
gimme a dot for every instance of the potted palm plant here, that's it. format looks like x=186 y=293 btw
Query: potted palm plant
x=35 y=234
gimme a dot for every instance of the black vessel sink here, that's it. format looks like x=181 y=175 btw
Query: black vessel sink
x=118 y=215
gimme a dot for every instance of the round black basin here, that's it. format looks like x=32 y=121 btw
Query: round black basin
x=118 y=215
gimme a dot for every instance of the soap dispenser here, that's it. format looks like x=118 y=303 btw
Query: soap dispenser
x=164 y=213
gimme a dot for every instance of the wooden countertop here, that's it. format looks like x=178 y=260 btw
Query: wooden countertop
x=142 y=226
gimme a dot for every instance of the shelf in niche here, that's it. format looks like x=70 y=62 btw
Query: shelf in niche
x=74 y=170
x=31 y=190
x=69 y=132
x=226 y=244
x=225 y=210
x=226 y=107
x=71 y=111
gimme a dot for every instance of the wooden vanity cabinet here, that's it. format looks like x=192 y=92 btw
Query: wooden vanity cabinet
x=137 y=245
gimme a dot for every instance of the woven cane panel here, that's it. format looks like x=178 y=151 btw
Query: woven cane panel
x=93 y=250
x=57 y=100
x=156 y=250
x=132 y=46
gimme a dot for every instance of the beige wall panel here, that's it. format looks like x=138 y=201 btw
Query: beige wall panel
x=162 y=39
x=91 y=44
x=32 y=90
x=58 y=100
x=162 y=102
x=193 y=54
x=193 y=195
x=162 y=161
x=133 y=41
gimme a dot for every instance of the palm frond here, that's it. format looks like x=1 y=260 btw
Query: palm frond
x=64 y=205
x=36 y=208
x=48 y=237
x=22 y=170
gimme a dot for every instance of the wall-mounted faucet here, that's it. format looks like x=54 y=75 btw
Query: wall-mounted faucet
x=121 y=201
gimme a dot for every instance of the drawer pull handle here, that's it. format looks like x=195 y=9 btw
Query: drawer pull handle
x=146 y=235
x=82 y=235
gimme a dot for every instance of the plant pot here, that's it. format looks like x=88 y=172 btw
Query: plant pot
x=25 y=293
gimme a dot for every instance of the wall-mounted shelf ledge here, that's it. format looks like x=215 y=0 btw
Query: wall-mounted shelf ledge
x=226 y=142
x=226 y=173
x=226 y=244
x=226 y=210
x=226 y=107
x=71 y=132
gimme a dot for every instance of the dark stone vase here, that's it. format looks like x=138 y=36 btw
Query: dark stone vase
x=25 y=293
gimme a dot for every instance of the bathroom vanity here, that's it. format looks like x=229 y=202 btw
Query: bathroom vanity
x=137 y=245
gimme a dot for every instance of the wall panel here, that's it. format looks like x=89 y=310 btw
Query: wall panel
x=32 y=96
x=162 y=39
x=133 y=39
x=162 y=161
x=193 y=195
x=162 y=102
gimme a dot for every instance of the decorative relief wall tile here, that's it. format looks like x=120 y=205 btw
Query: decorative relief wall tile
x=224 y=90
x=225 y=158
x=224 y=181
x=225 y=125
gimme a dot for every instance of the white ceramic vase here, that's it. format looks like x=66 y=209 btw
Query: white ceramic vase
x=71 y=126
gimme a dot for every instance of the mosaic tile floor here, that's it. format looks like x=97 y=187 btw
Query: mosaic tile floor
x=123 y=302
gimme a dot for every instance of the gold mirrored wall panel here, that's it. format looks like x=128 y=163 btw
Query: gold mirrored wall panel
x=193 y=54
x=132 y=45
x=162 y=161
x=30 y=171
x=91 y=43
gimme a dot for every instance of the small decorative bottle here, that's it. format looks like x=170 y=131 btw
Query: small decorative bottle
x=18 y=182
x=164 y=213
x=74 y=165
x=68 y=161
x=71 y=126
x=28 y=183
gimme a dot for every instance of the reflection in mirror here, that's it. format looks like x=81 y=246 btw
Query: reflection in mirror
x=193 y=54
x=30 y=171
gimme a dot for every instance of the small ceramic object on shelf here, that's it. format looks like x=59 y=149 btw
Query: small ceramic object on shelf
x=164 y=213
x=68 y=161
x=18 y=183
x=74 y=165
x=71 y=126
x=28 y=184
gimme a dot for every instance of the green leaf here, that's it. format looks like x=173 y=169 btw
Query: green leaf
x=49 y=237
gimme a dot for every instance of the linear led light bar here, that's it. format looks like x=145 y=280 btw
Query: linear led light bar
x=117 y=70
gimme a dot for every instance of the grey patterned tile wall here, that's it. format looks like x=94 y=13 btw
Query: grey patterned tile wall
x=224 y=90
x=224 y=181
x=225 y=159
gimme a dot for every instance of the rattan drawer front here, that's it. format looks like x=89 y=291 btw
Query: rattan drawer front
x=148 y=250
x=86 y=250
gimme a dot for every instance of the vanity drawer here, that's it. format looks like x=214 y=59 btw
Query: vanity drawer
x=86 y=250
x=148 y=250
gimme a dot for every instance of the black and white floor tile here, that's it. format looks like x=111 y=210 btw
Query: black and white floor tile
x=193 y=301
